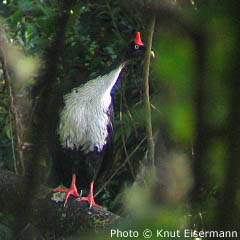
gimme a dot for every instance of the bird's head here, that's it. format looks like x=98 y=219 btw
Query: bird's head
x=136 y=47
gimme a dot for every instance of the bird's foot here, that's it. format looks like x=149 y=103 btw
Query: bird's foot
x=90 y=197
x=70 y=191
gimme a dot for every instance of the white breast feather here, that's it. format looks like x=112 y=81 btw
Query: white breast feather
x=85 y=118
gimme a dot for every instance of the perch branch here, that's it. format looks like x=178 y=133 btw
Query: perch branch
x=48 y=214
x=147 y=102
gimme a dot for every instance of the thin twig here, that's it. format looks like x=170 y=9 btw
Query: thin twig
x=129 y=113
x=120 y=167
x=147 y=103
x=12 y=143
x=155 y=108
x=123 y=138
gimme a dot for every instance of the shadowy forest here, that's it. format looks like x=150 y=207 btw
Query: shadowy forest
x=173 y=155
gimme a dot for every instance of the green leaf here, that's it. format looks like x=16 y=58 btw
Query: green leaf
x=8 y=130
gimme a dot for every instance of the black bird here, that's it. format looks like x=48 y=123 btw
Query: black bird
x=85 y=121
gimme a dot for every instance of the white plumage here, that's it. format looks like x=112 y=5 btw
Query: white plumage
x=85 y=117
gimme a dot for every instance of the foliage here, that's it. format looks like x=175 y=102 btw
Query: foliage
x=192 y=89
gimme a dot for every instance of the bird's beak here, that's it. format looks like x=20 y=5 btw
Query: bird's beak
x=152 y=54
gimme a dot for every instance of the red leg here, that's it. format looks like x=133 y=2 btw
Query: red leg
x=90 y=197
x=71 y=191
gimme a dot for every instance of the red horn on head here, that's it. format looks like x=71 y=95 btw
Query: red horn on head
x=138 y=39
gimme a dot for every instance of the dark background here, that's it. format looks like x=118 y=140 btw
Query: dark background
x=194 y=88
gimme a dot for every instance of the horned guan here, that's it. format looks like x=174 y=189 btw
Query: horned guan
x=85 y=120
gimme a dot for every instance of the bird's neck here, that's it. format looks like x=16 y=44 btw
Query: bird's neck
x=118 y=63
x=111 y=75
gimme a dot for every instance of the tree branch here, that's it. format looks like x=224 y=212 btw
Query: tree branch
x=48 y=214
x=147 y=57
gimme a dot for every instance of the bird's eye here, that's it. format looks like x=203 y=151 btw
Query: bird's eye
x=136 y=46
